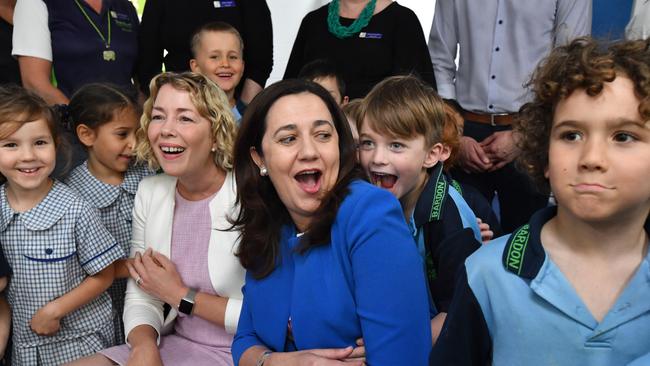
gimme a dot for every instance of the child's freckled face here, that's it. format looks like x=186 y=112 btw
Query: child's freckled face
x=396 y=164
x=599 y=154
x=27 y=157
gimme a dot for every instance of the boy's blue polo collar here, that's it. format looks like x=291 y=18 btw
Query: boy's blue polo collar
x=524 y=254
x=44 y=215
x=431 y=203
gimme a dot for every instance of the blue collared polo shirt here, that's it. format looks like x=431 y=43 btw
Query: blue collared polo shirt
x=513 y=306
x=78 y=49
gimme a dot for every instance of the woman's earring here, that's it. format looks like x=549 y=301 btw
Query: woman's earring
x=263 y=171
x=214 y=149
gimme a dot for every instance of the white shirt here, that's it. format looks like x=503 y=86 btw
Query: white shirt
x=501 y=42
x=31 y=35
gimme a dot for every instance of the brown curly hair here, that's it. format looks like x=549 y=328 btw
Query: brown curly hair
x=583 y=64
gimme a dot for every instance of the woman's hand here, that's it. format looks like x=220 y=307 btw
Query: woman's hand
x=47 y=320
x=314 y=357
x=144 y=355
x=157 y=276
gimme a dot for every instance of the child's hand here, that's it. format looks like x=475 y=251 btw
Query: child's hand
x=47 y=320
x=486 y=233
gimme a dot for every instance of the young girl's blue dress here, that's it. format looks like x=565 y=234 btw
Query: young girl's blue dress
x=51 y=249
x=115 y=206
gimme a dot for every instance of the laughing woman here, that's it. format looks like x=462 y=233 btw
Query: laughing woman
x=183 y=256
x=329 y=257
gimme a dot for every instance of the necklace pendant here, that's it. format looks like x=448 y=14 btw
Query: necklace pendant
x=109 y=55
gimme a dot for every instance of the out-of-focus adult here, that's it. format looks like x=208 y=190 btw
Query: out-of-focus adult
x=329 y=257
x=367 y=40
x=9 y=72
x=639 y=25
x=182 y=248
x=169 y=25
x=81 y=41
x=500 y=43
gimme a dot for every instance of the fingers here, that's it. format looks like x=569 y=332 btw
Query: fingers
x=360 y=342
x=482 y=157
x=333 y=353
x=162 y=260
x=358 y=352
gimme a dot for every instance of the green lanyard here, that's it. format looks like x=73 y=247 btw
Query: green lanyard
x=108 y=55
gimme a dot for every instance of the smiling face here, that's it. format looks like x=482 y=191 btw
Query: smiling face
x=27 y=157
x=599 y=155
x=301 y=153
x=396 y=164
x=181 y=139
x=219 y=57
x=110 y=145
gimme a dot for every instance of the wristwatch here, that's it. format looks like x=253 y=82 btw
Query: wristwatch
x=187 y=302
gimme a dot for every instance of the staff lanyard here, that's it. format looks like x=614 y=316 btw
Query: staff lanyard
x=109 y=55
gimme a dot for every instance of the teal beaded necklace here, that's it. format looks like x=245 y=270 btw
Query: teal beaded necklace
x=339 y=31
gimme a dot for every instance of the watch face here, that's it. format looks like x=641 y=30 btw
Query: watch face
x=185 y=306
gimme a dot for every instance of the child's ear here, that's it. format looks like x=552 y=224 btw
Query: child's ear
x=86 y=135
x=434 y=155
x=345 y=101
x=194 y=66
x=546 y=172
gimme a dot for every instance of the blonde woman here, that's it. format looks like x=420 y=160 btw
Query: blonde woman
x=182 y=250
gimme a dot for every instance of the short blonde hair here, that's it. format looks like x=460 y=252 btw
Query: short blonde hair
x=404 y=107
x=211 y=103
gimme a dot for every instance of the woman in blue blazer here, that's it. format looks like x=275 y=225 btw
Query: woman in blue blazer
x=329 y=257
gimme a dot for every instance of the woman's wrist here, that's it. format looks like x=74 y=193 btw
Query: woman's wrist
x=264 y=359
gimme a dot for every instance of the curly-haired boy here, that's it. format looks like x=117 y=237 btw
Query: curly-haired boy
x=571 y=286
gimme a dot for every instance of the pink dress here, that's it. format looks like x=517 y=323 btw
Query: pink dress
x=195 y=341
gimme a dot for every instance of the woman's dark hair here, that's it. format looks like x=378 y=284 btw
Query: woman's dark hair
x=583 y=64
x=262 y=214
x=97 y=103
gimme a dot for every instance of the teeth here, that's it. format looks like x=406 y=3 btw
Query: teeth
x=172 y=150
x=28 y=170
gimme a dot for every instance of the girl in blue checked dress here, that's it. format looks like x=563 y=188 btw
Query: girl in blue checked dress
x=105 y=118
x=59 y=252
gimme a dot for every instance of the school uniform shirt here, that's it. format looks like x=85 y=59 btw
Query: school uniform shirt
x=115 y=206
x=391 y=44
x=51 y=249
x=513 y=306
x=367 y=282
x=58 y=31
x=446 y=231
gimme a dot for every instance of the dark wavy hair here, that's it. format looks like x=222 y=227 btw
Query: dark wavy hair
x=583 y=64
x=262 y=214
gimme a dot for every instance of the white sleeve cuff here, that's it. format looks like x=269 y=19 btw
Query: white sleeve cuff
x=31 y=34
x=231 y=318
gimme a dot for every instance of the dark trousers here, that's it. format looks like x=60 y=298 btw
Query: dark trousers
x=518 y=197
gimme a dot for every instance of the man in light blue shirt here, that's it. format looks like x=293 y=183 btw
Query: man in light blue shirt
x=501 y=42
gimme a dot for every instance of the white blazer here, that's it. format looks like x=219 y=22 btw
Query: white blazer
x=153 y=213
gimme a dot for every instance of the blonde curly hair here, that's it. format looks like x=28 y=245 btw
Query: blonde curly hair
x=211 y=103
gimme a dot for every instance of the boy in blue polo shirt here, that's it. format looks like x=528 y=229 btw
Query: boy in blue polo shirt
x=571 y=286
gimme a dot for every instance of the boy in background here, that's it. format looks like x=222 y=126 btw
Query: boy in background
x=217 y=52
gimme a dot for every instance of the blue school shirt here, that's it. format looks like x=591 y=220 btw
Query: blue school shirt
x=446 y=231
x=78 y=50
x=367 y=282
x=51 y=249
x=513 y=306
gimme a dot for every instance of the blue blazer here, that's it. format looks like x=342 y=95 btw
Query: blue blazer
x=368 y=282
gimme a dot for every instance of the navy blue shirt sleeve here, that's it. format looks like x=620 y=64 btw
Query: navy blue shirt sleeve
x=465 y=338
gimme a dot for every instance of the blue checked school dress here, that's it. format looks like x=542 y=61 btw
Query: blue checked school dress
x=115 y=206
x=51 y=249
